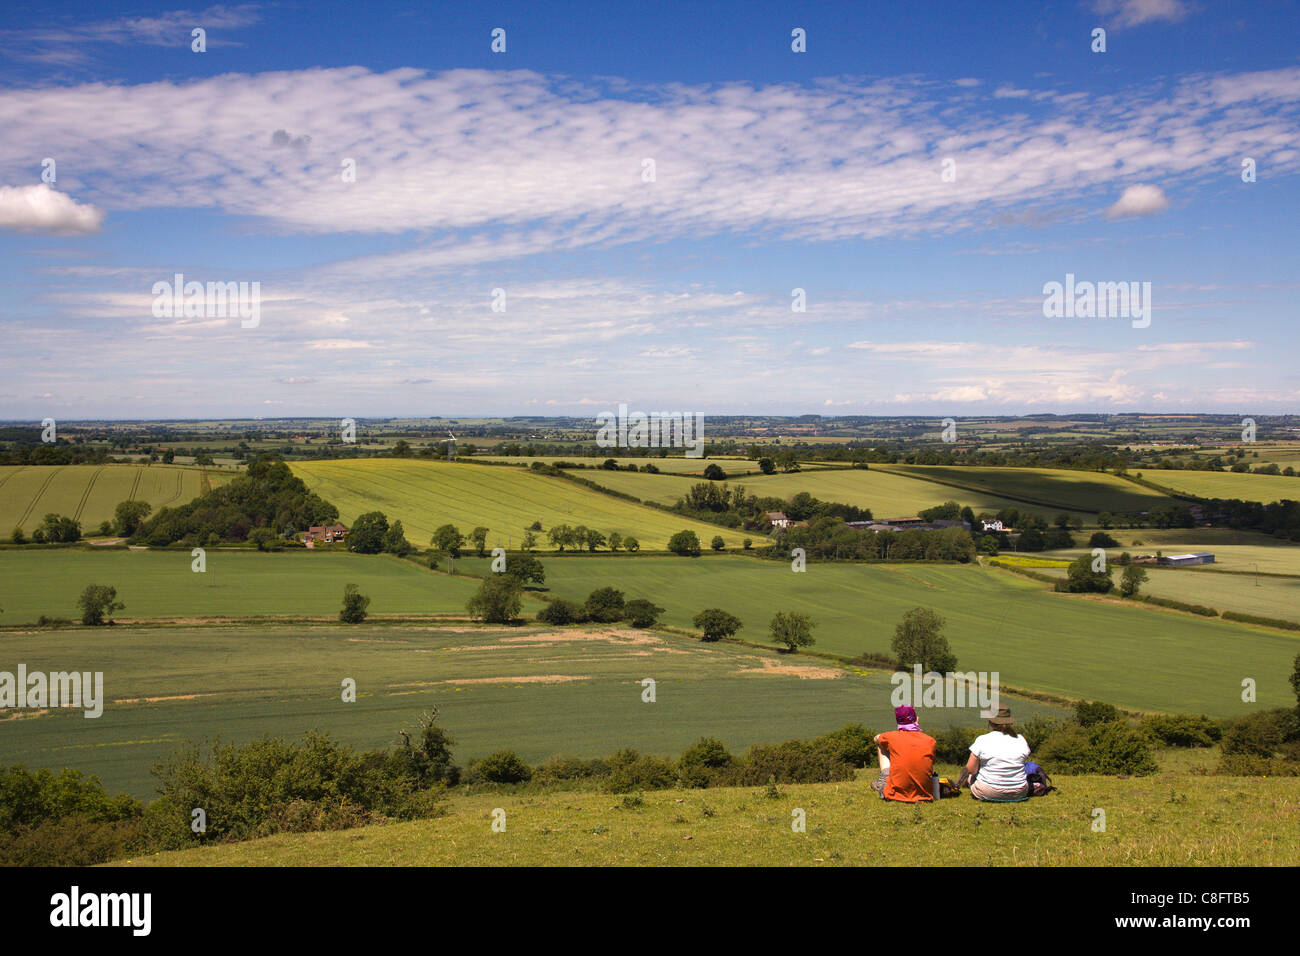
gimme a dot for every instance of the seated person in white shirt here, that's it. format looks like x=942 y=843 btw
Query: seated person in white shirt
x=996 y=768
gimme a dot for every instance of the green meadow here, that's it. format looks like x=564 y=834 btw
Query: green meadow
x=89 y=493
x=1060 y=489
x=161 y=584
x=1246 y=551
x=426 y=494
x=1133 y=656
x=1227 y=484
x=536 y=690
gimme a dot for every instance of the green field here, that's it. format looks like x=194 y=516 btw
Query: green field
x=1246 y=594
x=1226 y=484
x=424 y=495
x=89 y=493
x=536 y=690
x=1170 y=819
x=1232 y=550
x=160 y=584
x=1059 y=489
x=667 y=466
x=1136 y=657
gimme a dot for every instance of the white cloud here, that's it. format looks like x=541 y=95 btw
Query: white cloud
x=38 y=208
x=1139 y=200
x=1132 y=13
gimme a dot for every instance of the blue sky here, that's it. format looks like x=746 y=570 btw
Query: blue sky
x=524 y=171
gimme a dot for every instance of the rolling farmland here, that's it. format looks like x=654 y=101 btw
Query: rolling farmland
x=1226 y=484
x=536 y=690
x=1058 y=489
x=426 y=494
x=89 y=493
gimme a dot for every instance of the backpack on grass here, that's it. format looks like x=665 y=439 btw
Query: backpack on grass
x=1040 y=784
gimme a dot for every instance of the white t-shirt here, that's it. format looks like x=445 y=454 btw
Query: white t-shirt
x=1002 y=760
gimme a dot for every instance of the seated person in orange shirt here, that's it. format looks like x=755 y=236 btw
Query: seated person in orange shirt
x=906 y=760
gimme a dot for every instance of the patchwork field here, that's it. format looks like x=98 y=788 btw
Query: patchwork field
x=89 y=493
x=1226 y=484
x=426 y=494
x=1060 y=489
x=161 y=584
x=1232 y=550
x=1137 y=657
x=667 y=466
x=1245 y=594
x=1235 y=822
x=538 y=691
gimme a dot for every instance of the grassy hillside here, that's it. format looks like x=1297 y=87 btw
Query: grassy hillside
x=426 y=494
x=1226 y=484
x=1264 y=596
x=1138 y=657
x=89 y=493
x=1232 y=550
x=161 y=584
x=539 y=691
x=1165 y=820
x=1060 y=489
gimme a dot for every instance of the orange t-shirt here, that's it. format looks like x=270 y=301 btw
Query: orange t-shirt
x=911 y=761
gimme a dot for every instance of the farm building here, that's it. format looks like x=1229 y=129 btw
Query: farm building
x=325 y=533
x=1196 y=557
x=777 y=519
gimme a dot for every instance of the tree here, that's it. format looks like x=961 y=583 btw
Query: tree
x=767 y=466
x=265 y=539
x=716 y=624
x=717 y=544
x=560 y=535
x=615 y=540
x=354 y=605
x=448 y=538
x=1132 y=579
x=1105 y=519
x=129 y=515
x=918 y=639
x=525 y=569
x=791 y=629
x=605 y=605
x=497 y=600
x=747 y=543
x=631 y=544
x=714 y=473
x=168 y=457
x=642 y=613
x=98 y=602
x=395 y=541
x=609 y=464
x=529 y=542
x=17 y=537
x=1062 y=521
x=685 y=543
x=367 y=534
x=594 y=539
x=562 y=611
x=1295 y=680
x=479 y=537
x=1101 y=539
x=1082 y=579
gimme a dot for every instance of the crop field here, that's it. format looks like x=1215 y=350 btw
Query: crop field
x=89 y=493
x=161 y=584
x=424 y=495
x=536 y=690
x=1226 y=484
x=667 y=466
x=1168 y=819
x=1136 y=657
x=1232 y=550
x=1060 y=489
x=663 y=489
x=887 y=491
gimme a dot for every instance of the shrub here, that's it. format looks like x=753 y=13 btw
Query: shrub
x=1106 y=748
x=1092 y=712
x=354 y=605
x=952 y=745
x=1183 y=730
x=504 y=766
x=1101 y=539
x=630 y=771
x=704 y=763
x=605 y=605
x=569 y=768
x=1262 y=735
x=97 y=602
x=747 y=543
x=795 y=761
x=562 y=611
x=1082 y=579
x=685 y=543
x=642 y=613
x=497 y=600
x=853 y=744
x=717 y=544
x=631 y=544
x=716 y=624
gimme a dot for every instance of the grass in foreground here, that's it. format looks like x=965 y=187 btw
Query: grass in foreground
x=1165 y=820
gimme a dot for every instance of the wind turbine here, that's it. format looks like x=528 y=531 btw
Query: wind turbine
x=451 y=445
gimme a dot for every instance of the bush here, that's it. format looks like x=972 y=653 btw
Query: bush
x=497 y=600
x=1092 y=712
x=642 y=613
x=952 y=745
x=704 y=763
x=1262 y=735
x=853 y=744
x=605 y=605
x=1101 y=539
x=795 y=761
x=716 y=624
x=1253 y=765
x=556 y=769
x=354 y=605
x=562 y=611
x=1107 y=748
x=747 y=543
x=504 y=766
x=685 y=543
x=1183 y=730
x=630 y=771
x=97 y=602
x=717 y=544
